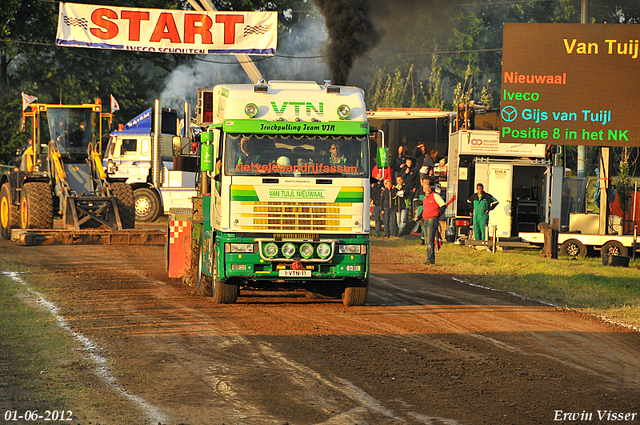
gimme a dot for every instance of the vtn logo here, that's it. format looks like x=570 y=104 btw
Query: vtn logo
x=476 y=142
x=307 y=105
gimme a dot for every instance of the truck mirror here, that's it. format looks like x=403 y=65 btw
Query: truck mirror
x=383 y=157
x=206 y=152
x=176 y=146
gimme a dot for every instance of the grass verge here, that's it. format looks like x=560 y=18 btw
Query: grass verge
x=45 y=365
x=583 y=284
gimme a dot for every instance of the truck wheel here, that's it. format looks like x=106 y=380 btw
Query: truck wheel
x=124 y=194
x=355 y=292
x=325 y=290
x=147 y=204
x=223 y=292
x=9 y=218
x=36 y=206
x=204 y=287
x=613 y=248
x=573 y=248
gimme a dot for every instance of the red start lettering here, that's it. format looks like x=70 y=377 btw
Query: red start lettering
x=165 y=22
x=195 y=24
x=229 y=22
x=109 y=29
x=134 y=22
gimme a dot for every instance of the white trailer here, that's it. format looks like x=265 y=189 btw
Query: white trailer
x=516 y=174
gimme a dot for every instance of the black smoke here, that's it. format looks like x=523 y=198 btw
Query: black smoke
x=351 y=34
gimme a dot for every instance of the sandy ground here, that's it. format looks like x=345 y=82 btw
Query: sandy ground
x=427 y=349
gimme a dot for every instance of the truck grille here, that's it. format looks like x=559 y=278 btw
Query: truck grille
x=296 y=216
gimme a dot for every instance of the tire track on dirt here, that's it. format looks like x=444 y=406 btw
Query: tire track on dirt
x=327 y=393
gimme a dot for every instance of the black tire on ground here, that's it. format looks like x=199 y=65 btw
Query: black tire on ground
x=204 y=285
x=9 y=218
x=147 y=204
x=125 y=201
x=573 y=248
x=325 y=290
x=613 y=248
x=223 y=292
x=355 y=292
x=36 y=206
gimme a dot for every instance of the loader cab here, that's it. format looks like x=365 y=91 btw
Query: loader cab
x=71 y=128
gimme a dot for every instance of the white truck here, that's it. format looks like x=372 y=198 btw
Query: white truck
x=130 y=156
x=529 y=190
x=516 y=174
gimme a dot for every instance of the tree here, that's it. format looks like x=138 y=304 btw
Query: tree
x=30 y=63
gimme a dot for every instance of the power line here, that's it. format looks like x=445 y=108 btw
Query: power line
x=441 y=52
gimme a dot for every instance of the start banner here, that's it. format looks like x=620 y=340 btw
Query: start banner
x=167 y=31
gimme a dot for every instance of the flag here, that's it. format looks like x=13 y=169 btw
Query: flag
x=114 y=105
x=27 y=100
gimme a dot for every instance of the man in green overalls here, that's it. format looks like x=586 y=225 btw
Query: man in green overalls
x=482 y=203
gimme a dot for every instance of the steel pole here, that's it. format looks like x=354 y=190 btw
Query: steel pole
x=581 y=168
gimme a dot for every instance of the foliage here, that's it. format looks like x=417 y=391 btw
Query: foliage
x=30 y=63
x=432 y=54
x=435 y=98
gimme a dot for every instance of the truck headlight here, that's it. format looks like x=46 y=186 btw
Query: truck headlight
x=343 y=112
x=111 y=167
x=350 y=249
x=324 y=250
x=288 y=250
x=251 y=109
x=306 y=250
x=271 y=250
x=244 y=248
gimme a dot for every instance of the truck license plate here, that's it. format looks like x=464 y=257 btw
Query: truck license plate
x=295 y=273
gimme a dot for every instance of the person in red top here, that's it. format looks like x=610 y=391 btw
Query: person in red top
x=432 y=207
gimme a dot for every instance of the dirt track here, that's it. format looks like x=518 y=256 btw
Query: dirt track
x=427 y=349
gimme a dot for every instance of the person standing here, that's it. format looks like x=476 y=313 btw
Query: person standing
x=432 y=207
x=411 y=181
x=419 y=153
x=376 y=197
x=398 y=162
x=389 y=210
x=428 y=164
x=482 y=203
x=402 y=195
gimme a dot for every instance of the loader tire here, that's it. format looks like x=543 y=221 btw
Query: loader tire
x=9 y=217
x=36 y=206
x=147 y=204
x=126 y=205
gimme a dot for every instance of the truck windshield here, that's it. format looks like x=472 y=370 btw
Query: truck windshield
x=70 y=127
x=259 y=155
